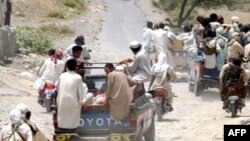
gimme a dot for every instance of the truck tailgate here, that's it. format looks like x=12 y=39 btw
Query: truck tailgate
x=96 y=119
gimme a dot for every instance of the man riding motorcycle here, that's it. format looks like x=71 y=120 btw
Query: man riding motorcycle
x=49 y=72
x=233 y=78
x=162 y=75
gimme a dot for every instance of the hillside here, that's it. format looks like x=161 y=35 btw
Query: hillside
x=43 y=9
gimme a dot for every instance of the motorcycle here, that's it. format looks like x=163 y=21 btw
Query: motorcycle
x=162 y=105
x=233 y=103
x=47 y=96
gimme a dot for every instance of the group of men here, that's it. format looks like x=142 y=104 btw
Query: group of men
x=21 y=128
x=125 y=82
x=157 y=44
x=63 y=71
x=157 y=39
x=223 y=47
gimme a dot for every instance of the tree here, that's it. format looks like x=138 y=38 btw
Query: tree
x=184 y=8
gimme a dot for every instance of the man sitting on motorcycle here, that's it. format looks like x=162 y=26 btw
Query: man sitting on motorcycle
x=232 y=79
x=162 y=75
x=49 y=73
x=138 y=69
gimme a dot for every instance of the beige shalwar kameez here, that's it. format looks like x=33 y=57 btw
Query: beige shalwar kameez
x=119 y=95
x=235 y=49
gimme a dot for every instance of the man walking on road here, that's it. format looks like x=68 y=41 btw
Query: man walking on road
x=147 y=37
x=161 y=43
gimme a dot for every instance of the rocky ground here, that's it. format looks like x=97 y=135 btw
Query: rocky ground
x=88 y=24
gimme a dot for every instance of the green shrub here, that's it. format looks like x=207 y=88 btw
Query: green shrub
x=71 y=4
x=54 y=29
x=78 y=4
x=56 y=14
x=33 y=39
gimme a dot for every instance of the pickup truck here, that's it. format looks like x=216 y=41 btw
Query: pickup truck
x=201 y=78
x=96 y=123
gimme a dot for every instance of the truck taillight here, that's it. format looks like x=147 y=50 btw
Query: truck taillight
x=133 y=119
x=201 y=69
x=55 y=120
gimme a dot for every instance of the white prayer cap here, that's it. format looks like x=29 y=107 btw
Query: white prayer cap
x=235 y=19
x=15 y=116
x=135 y=44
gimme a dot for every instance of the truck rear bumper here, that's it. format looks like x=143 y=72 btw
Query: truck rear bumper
x=110 y=137
x=209 y=82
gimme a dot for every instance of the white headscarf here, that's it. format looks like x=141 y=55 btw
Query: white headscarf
x=15 y=117
x=160 y=68
x=23 y=109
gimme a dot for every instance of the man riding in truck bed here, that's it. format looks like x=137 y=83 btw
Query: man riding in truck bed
x=119 y=94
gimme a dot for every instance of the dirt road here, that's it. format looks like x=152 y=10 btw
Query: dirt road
x=193 y=119
x=123 y=23
x=196 y=118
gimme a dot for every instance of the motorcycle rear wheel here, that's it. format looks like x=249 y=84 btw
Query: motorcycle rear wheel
x=233 y=110
x=159 y=114
x=48 y=105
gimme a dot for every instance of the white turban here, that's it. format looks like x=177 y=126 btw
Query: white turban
x=15 y=116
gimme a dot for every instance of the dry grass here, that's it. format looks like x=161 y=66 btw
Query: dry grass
x=56 y=14
x=42 y=9
x=55 y=31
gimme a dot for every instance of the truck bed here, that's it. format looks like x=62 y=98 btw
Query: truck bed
x=96 y=123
